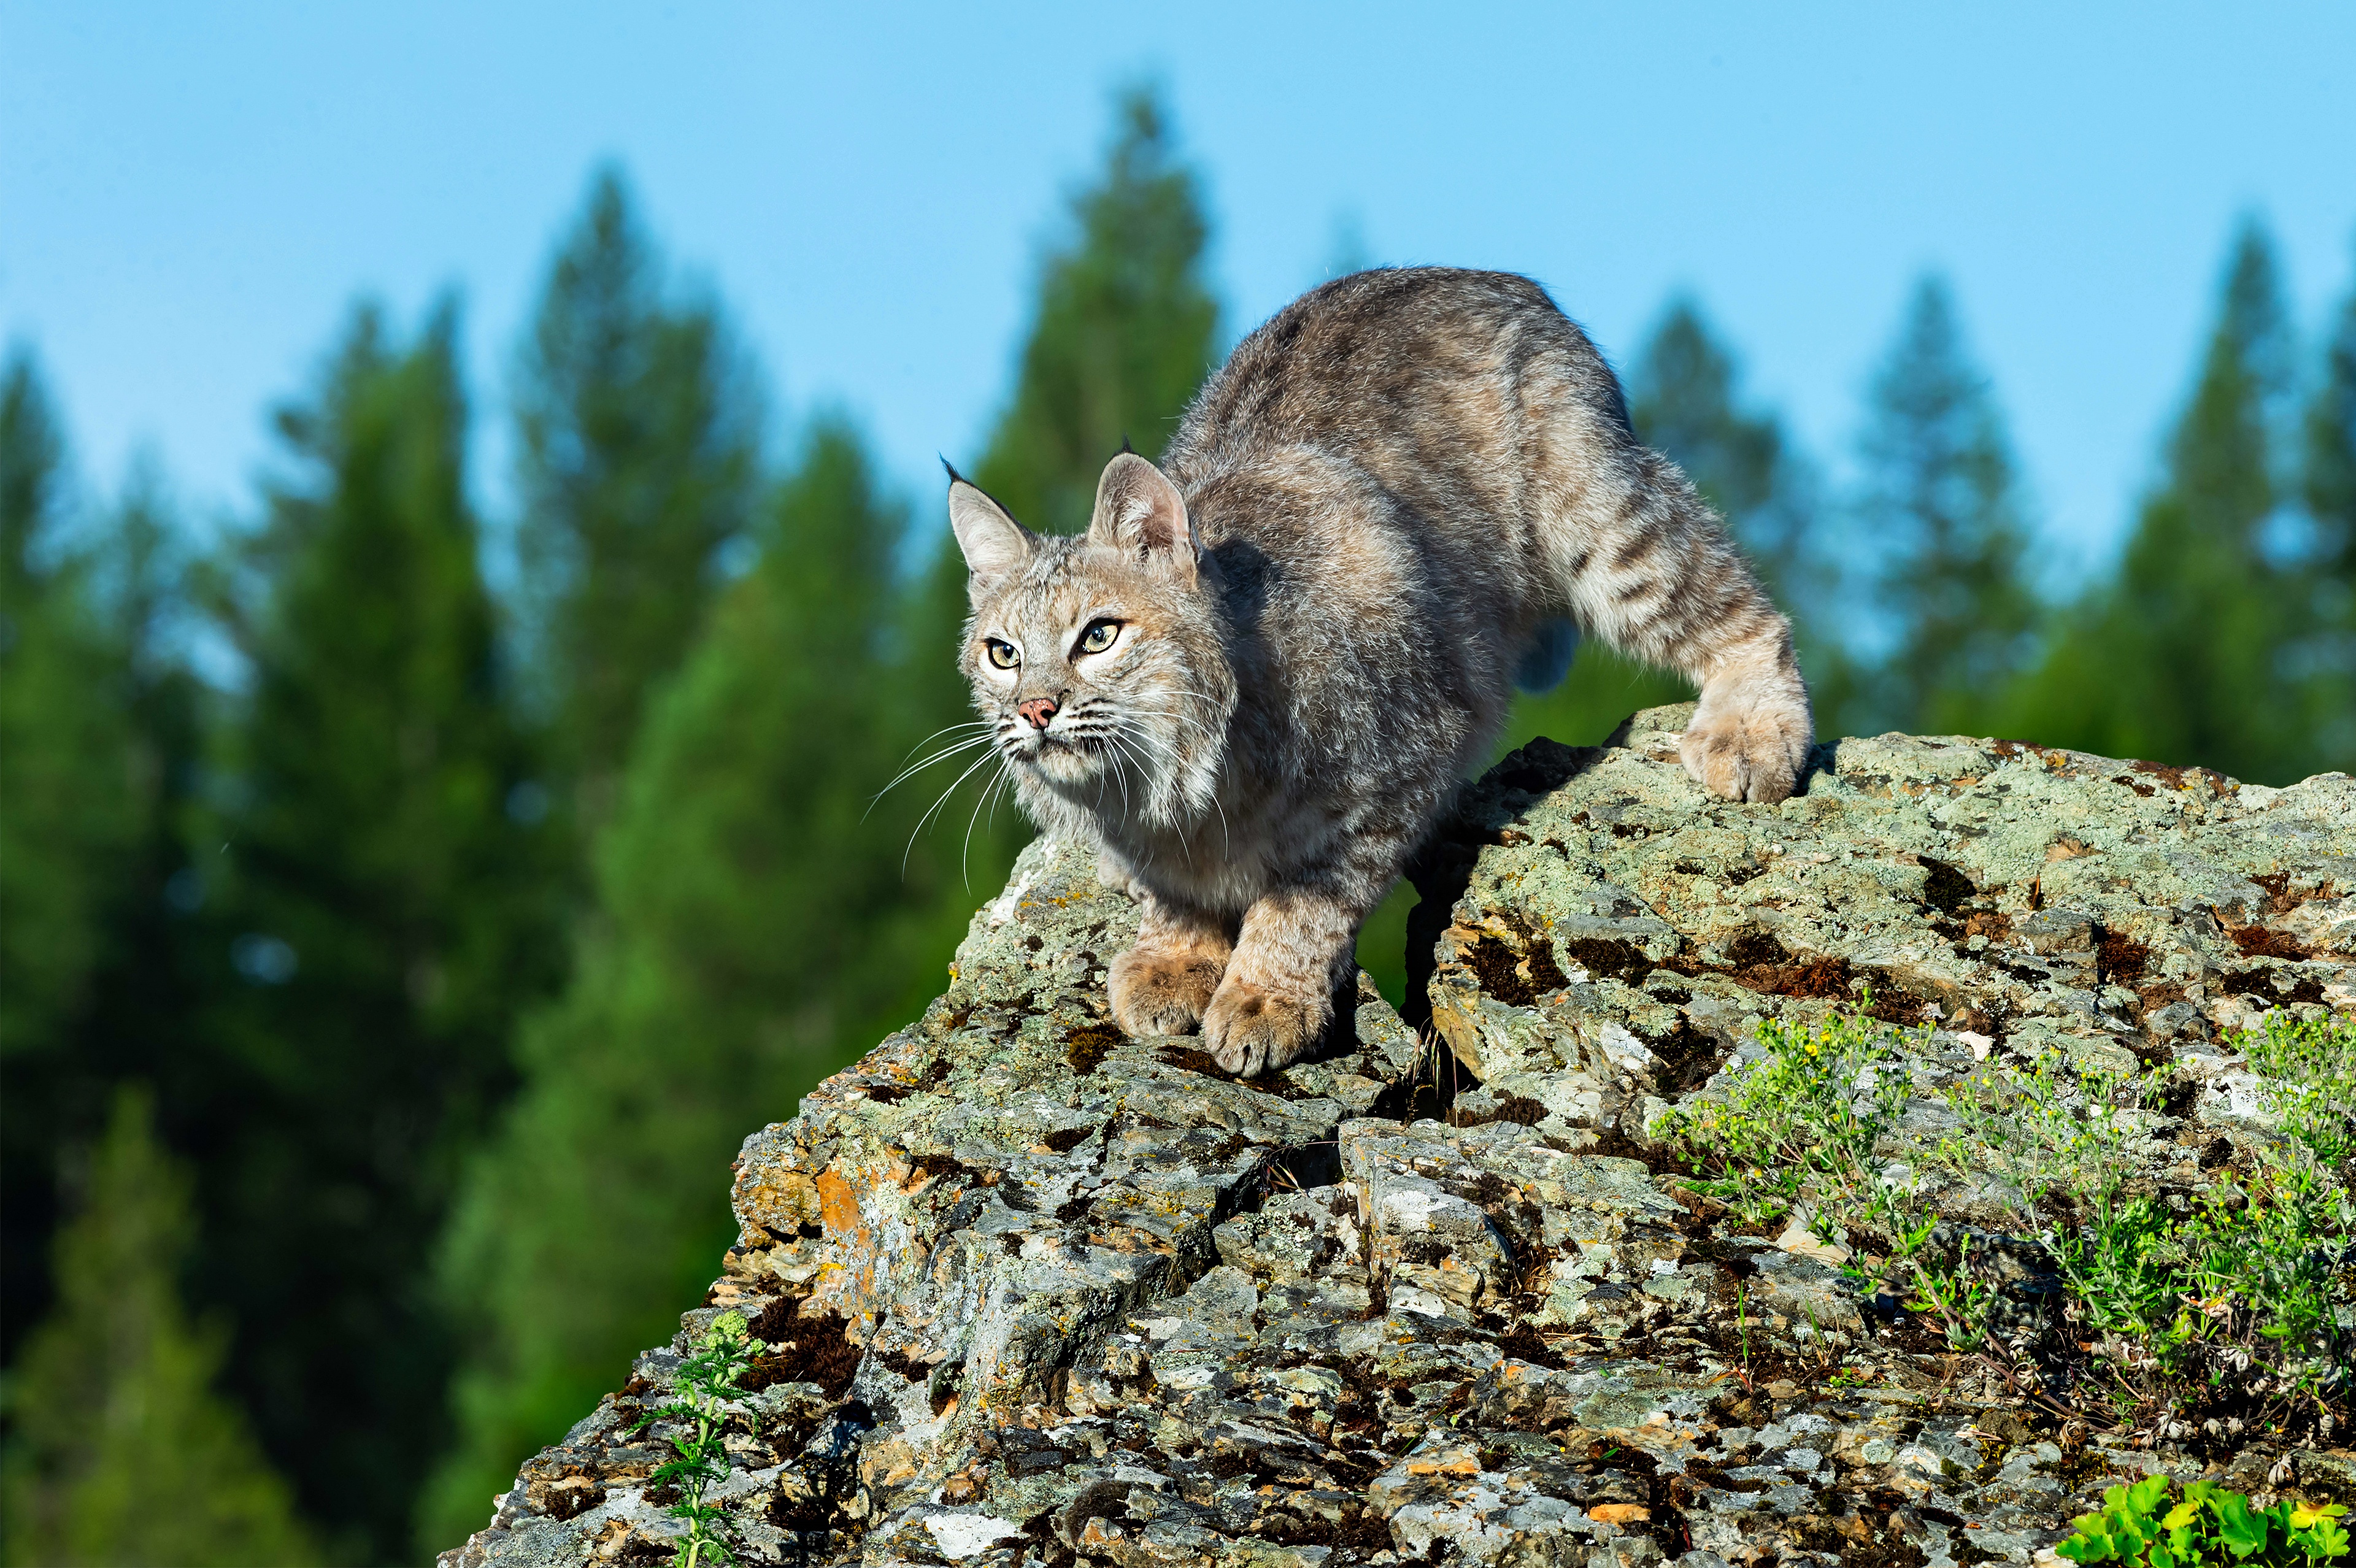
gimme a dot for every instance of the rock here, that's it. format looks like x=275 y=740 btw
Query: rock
x=1799 y=1240
x=1040 y=1294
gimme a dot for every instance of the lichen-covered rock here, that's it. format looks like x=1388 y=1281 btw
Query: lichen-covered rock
x=1035 y=1293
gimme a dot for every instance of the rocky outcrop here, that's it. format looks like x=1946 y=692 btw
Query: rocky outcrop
x=1033 y=1292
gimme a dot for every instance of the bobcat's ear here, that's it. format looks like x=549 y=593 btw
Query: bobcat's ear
x=995 y=545
x=1139 y=511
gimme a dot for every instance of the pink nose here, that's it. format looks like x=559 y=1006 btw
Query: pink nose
x=1038 y=711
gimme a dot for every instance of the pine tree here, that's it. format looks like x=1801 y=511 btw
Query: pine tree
x=1940 y=516
x=638 y=433
x=70 y=810
x=1124 y=331
x=2178 y=658
x=2329 y=668
x=122 y=1451
x=739 y=954
x=385 y=918
x=99 y=740
x=146 y=989
x=70 y=813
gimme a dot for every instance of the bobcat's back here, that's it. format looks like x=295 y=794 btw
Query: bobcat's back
x=1377 y=468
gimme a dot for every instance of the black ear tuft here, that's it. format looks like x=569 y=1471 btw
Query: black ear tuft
x=1124 y=444
x=993 y=543
x=955 y=478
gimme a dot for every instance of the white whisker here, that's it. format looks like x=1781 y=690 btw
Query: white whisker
x=965 y=850
x=937 y=805
x=953 y=729
x=904 y=774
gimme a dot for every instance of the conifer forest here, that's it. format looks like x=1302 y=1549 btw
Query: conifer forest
x=396 y=951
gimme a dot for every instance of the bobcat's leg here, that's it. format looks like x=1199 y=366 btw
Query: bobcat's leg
x=1161 y=985
x=1298 y=944
x=1652 y=572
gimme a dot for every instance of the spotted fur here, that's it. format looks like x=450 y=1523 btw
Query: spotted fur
x=1363 y=529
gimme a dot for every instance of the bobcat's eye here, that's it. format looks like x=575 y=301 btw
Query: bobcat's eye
x=1002 y=653
x=1099 y=637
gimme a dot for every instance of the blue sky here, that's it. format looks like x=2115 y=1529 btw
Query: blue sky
x=190 y=197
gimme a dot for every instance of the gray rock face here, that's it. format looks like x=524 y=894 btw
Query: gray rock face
x=1035 y=1293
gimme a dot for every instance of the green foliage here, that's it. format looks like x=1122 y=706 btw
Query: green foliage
x=2158 y=1522
x=383 y=920
x=98 y=737
x=1795 y=1135
x=69 y=820
x=1798 y=1126
x=2307 y=1072
x=123 y=1452
x=1942 y=515
x=748 y=942
x=637 y=438
x=2329 y=659
x=1124 y=329
x=72 y=808
x=2236 y=1293
x=2236 y=1289
x=706 y=1381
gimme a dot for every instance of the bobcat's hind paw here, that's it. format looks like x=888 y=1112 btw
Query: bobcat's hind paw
x=1251 y=1030
x=1163 y=992
x=1756 y=755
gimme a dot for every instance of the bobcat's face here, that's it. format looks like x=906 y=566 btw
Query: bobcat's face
x=1084 y=668
x=1098 y=662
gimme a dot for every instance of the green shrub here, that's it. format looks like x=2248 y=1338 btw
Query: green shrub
x=2203 y=1524
x=1796 y=1132
x=1797 y=1128
x=2236 y=1296
x=2307 y=1069
x=2213 y=1310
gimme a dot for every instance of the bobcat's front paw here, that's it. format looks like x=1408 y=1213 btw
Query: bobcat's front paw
x=1251 y=1030
x=1161 y=992
x=1755 y=754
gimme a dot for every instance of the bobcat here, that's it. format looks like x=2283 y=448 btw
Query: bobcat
x=1254 y=682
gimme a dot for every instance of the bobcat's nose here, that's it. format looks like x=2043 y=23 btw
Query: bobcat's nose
x=1037 y=711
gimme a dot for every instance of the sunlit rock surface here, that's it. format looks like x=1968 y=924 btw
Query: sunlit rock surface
x=1038 y=1294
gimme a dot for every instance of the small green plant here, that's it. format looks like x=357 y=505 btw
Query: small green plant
x=2306 y=1074
x=2156 y=1523
x=1797 y=1132
x=2050 y=1125
x=706 y=1381
x=2232 y=1297
x=1742 y=1326
x=1800 y=1124
x=2212 y=1312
